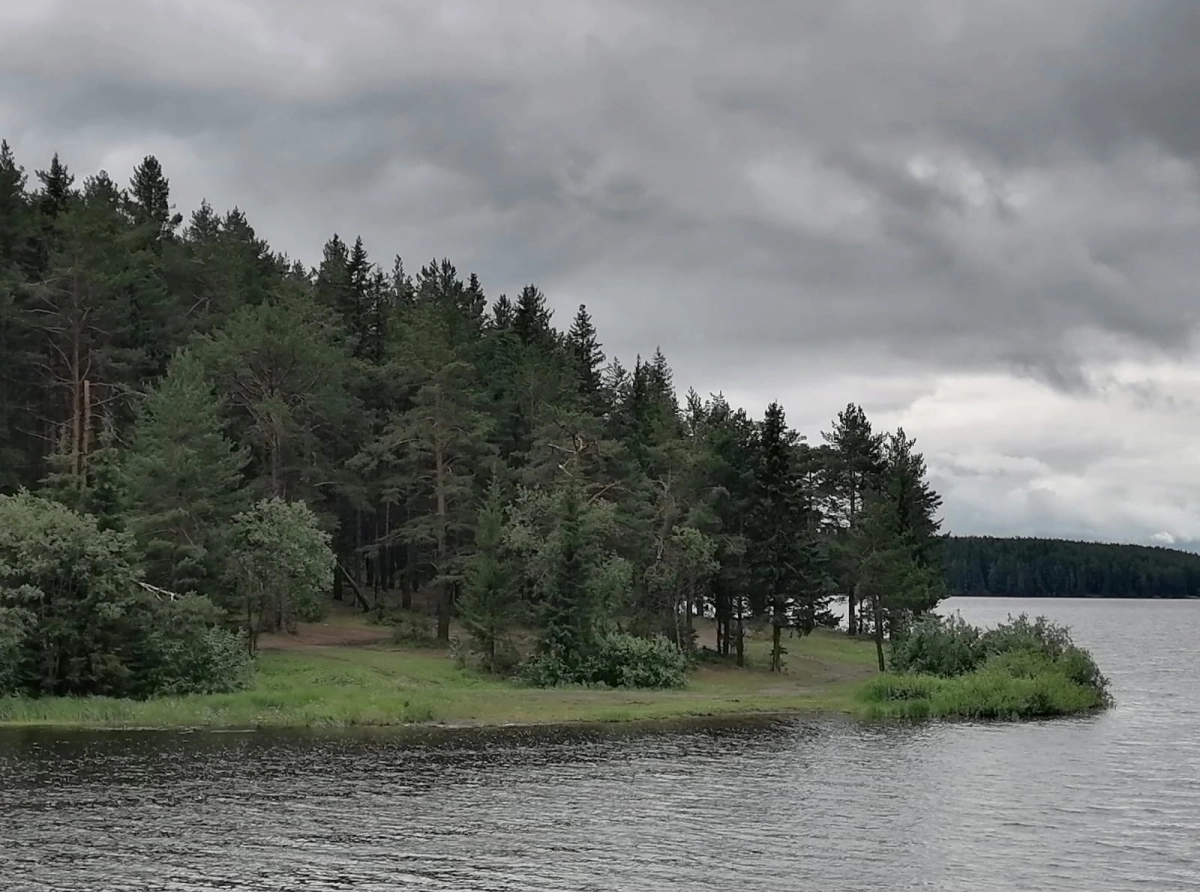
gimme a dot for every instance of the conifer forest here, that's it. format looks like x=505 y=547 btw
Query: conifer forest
x=202 y=440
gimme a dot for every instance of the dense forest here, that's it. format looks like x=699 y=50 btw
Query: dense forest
x=202 y=439
x=979 y=565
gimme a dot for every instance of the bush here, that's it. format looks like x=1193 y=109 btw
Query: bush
x=14 y=625
x=936 y=646
x=620 y=660
x=893 y=688
x=626 y=661
x=186 y=652
x=951 y=647
x=413 y=630
x=1020 y=669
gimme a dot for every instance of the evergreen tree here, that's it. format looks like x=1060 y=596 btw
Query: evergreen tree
x=855 y=461
x=490 y=604
x=150 y=200
x=184 y=479
x=439 y=439
x=589 y=358
x=531 y=316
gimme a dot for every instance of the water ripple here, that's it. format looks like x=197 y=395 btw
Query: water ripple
x=1107 y=803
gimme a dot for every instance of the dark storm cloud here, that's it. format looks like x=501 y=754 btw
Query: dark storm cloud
x=772 y=190
x=960 y=181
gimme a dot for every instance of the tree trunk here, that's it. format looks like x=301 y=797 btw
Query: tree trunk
x=878 y=604
x=741 y=635
x=409 y=583
x=443 y=605
x=86 y=433
x=851 y=612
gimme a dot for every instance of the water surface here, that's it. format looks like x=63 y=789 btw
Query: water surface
x=1101 y=804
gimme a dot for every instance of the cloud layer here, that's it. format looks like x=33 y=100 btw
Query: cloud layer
x=980 y=218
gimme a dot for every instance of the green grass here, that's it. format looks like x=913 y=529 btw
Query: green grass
x=383 y=685
x=989 y=693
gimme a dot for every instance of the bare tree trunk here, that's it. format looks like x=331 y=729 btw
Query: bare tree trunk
x=443 y=605
x=86 y=435
x=851 y=612
x=741 y=635
x=878 y=605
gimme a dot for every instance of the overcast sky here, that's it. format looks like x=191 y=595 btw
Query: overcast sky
x=980 y=219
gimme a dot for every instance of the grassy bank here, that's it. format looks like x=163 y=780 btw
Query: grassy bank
x=300 y=685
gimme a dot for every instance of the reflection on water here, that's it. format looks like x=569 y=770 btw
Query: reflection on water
x=1104 y=803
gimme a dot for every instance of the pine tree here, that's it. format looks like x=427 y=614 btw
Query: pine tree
x=855 y=457
x=439 y=439
x=284 y=369
x=779 y=530
x=502 y=313
x=183 y=478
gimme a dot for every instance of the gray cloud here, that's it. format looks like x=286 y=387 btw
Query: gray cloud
x=787 y=196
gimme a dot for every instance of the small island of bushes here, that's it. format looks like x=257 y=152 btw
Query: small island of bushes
x=1022 y=668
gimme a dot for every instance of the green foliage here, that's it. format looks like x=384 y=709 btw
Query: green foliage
x=281 y=566
x=991 y=693
x=627 y=661
x=187 y=651
x=937 y=646
x=950 y=647
x=1019 y=669
x=183 y=479
x=490 y=604
x=76 y=621
x=615 y=660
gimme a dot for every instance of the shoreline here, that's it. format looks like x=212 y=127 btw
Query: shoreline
x=387 y=687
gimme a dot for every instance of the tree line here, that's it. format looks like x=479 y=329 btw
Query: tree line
x=1031 y=567
x=263 y=436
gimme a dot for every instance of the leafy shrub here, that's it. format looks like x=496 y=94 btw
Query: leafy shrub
x=1020 y=669
x=995 y=693
x=413 y=630
x=186 y=651
x=938 y=646
x=620 y=660
x=626 y=661
x=950 y=647
x=892 y=688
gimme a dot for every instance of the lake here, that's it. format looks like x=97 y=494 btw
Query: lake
x=1099 y=804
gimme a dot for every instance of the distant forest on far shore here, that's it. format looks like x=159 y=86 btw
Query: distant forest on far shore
x=1027 y=567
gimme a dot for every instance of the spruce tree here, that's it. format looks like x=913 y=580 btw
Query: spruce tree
x=589 y=358
x=490 y=604
x=184 y=479
x=150 y=200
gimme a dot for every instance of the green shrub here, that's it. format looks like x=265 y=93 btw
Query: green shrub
x=1020 y=669
x=995 y=693
x=626 y=661
x=950 y=647
x=894 y=688
x=413 y=630
x=937 y=646
x=620 y=660
x=186 y=651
